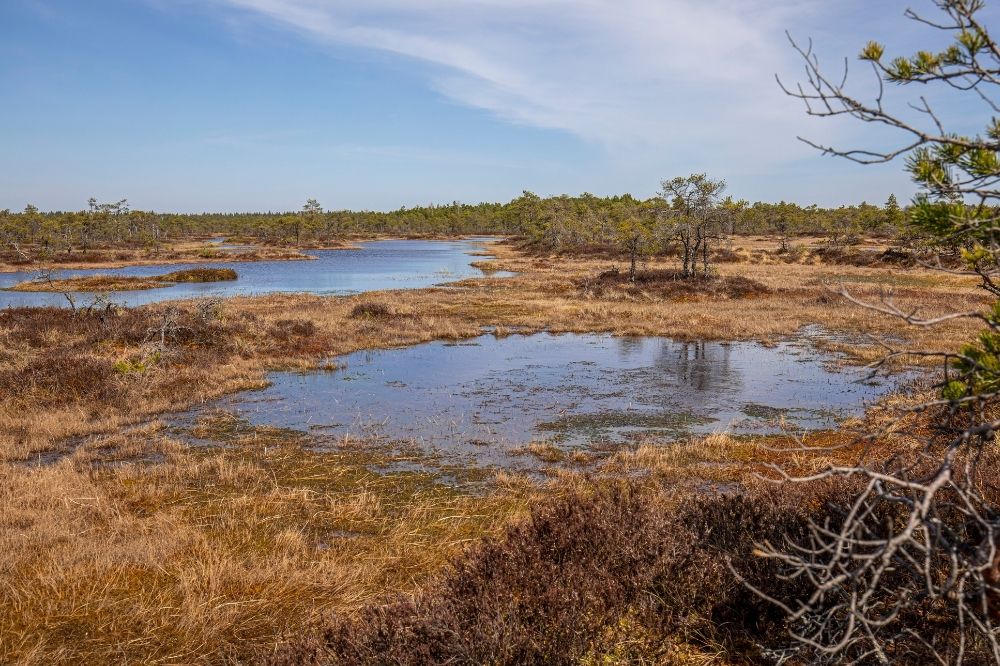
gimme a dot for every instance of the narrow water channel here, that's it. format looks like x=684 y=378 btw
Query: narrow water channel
x=373 y=266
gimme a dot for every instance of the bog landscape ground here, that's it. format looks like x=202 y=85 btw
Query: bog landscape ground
x=129 y=539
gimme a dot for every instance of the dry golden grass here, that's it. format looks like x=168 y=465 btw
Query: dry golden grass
x=105 y=283
x=127 y=545
x=212 y=555
x=94 y=283
x=187 y=252
x=722 y=461
x=547 y=294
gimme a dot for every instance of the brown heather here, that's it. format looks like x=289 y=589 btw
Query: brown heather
x=621 y=572
x=614 y=574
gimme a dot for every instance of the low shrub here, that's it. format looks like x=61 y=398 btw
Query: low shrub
x=729 y=256
x=885 y=258
x=613 y=575
x=371 y=310
x=200 y=275
x=670 y=285
x=88 y=257
x=63 y=378
x=286 y=330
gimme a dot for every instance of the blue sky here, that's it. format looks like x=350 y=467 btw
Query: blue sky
x=192 y=105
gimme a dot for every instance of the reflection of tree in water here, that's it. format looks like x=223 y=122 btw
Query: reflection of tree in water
x=629 y=347
x=703 y=366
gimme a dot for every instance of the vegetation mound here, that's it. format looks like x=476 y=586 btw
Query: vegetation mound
x=670 y=285
x=199 y=275
x=372 y=310
x=159 y=339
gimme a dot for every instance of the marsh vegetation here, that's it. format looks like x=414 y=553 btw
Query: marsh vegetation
x=111 y=283
x=236 y=534
x=629 y=431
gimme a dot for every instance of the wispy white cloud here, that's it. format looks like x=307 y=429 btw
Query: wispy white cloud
x=650 y=75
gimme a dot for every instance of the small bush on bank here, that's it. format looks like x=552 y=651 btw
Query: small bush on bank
x=289 y=329
x=299 y=336
x=670 y=285
x=372 y=310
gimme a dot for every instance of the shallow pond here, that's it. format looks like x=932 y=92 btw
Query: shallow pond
x=482 y=397
x=373 y=266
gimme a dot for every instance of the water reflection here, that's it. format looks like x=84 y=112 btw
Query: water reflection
x=700 y=365
x=575 y=390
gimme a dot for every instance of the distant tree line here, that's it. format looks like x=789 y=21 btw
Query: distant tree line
x=689 y=211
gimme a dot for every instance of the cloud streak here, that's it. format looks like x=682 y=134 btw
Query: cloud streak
x=651 y=75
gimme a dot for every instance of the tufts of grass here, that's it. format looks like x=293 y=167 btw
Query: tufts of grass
x=138 y=549
x=543 y=451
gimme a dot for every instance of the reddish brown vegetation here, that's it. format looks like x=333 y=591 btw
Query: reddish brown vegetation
x=614 y=573
x=664 y=284
x=77 y=372
x=200 y=275
x=372 y=310
x=630 y=574
x=889 y=257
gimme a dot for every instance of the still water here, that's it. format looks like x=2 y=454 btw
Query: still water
x=480 y=397
x=377 y=265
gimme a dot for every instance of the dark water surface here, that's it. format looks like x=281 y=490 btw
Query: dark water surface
x=374 y=266
x=479 y=398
